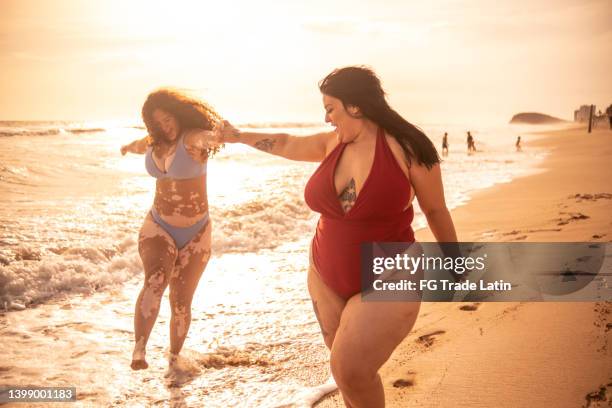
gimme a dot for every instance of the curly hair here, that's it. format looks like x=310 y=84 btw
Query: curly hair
x=189 y=112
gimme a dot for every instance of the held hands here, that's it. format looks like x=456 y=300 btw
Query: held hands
x=226 y=132
x=223 y=132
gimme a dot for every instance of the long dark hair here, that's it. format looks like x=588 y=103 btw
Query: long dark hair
x=189 y=112
x=359 y=86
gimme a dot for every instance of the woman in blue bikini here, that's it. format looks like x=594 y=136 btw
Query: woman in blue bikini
x=175 y=238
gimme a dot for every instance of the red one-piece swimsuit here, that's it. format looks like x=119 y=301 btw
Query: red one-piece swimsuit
x=379 y=214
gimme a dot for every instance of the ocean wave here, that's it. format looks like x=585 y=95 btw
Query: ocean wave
x=261 y=224
x=29 y=132
x=85 y=130
x=52 y=131
x=36 y=272
x=36 y=275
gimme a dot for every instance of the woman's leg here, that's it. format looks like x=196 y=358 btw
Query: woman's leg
x=158 y=253
x=367 y=335
x=190 y=265
x=327 y=305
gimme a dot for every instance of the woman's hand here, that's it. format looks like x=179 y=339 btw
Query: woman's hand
x=137 y=146
x=204 y=139
x=227 y=133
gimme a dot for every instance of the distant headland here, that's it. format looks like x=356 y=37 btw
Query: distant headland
x=534 y=118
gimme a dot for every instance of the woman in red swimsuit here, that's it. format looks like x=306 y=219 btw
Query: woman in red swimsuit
x=371 y=168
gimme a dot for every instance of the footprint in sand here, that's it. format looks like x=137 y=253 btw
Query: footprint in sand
x=470 y=308
x=572 y=217
x=545 y=230
x=515 y=232
x=596 y=396
x=427 y=340
x=591 y=197
x=405 y=382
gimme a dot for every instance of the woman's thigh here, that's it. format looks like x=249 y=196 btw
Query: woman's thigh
x=157 y=251
x=191 y=262
x=368 y=333
x=326 y=303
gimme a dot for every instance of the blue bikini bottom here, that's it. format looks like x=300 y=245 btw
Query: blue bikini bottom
x=181 y=235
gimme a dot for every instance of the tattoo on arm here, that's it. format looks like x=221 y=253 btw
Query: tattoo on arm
x=348 y=196
x=265 y=145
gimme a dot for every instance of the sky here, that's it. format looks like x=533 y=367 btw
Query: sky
x=443 y=61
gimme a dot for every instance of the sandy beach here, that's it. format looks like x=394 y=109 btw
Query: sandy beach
x=519 y=354
x=246 y=350
x=105 y=121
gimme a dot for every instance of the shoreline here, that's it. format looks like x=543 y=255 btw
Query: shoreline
x=458 y=354
x=518 y=354
x=552 y=181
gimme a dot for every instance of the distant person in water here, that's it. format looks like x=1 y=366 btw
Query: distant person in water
x=370 y=141
x=445 y=145
x=175 y=238
x=519 y=148
x=609 y=113
x=471 y=145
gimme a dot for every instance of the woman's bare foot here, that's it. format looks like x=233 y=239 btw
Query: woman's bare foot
x=138 y=356
x=139 y=365
x=181 y=370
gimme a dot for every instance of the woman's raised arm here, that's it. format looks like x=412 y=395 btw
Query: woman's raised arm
x=311 y=148
x=137 y=146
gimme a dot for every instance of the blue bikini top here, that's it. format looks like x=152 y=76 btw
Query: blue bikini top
x=182 y=167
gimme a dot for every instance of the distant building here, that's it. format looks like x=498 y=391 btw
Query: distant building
x=582 y=114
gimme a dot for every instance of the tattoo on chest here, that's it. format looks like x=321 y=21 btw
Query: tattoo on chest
x=265 y=145
x=348 y=195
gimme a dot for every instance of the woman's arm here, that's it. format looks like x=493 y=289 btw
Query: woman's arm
x=137 y=146
x=430 y=193
x=201 y=140
x=302 y=148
